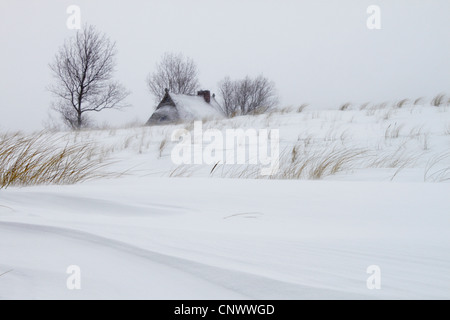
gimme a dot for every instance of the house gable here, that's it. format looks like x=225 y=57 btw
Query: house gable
x=166 y=101
x=180 y=107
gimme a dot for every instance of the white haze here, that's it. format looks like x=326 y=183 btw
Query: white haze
x=319 y=52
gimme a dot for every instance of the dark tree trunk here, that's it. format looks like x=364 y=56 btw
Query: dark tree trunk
x=79 y=121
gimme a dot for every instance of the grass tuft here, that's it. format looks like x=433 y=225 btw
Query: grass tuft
x=439 y=100
x=37 y=159
x=345 y=106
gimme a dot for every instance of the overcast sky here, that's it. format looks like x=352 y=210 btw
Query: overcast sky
x=317 y=52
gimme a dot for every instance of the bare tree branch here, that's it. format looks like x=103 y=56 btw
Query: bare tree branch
x=175 y=72
x=83 y=69
x=247 y=95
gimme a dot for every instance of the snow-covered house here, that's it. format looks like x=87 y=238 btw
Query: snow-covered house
x=181 y=107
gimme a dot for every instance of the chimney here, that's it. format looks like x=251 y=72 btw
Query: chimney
x=206 y=94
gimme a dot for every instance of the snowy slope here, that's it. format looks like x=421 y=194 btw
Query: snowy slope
x=149 y=235
x=409 y=144
x=214 y=238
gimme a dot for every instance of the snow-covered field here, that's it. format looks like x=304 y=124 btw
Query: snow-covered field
x=161 y=231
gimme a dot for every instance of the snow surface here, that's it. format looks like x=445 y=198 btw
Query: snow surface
x=400 y=144
x=145 y=235
x=195 y=107
x=230 y=239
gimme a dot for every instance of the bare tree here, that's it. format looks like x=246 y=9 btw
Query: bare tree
x=247 y=96
x=227 y=90
x=175 y=72
x=83 y=70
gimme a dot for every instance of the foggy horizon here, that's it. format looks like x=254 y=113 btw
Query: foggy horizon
x=320 y=53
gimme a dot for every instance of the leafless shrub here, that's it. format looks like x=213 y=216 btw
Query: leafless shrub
x=247 y=96
x=175 y=72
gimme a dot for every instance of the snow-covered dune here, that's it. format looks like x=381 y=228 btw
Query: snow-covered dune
x=141 y=232
x=223 y=238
